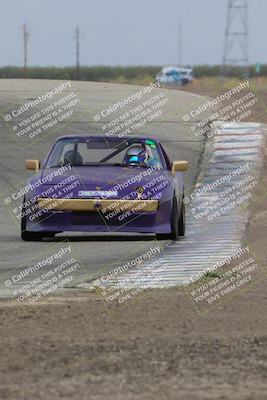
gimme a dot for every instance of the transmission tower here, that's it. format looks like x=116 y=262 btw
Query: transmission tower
x=236 y=36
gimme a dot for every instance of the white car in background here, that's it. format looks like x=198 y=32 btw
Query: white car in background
x=175 y=76
x=187 y=74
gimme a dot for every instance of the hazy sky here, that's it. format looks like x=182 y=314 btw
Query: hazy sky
x=123 y=32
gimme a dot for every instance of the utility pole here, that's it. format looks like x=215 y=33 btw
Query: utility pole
x=26 y=36
x=236 y=37
x=180 y=45
x=77 y=40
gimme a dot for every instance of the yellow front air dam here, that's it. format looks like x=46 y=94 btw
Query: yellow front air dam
x=138 y=206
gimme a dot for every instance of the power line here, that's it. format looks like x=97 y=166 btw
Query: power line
x=180 y=45
x=77 y=40
x=26 y=36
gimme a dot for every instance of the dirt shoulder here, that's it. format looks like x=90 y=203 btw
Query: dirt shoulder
x=158 y=348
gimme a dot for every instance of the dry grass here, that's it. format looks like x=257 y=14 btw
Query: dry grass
x=215 y=86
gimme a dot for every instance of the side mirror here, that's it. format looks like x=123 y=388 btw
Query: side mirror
x=32 y=165
x=179 y=166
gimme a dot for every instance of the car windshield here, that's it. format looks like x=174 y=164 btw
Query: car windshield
x=103 y=151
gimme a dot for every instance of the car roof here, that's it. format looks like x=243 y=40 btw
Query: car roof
x=114 y=137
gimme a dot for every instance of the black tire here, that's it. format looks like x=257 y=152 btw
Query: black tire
x=31 y=236
x=49 y=234
x=26 y=235
x=181 y=222
x=174 y=234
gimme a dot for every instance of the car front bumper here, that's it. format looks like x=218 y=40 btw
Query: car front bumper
x=92 y=215
x=103 y=205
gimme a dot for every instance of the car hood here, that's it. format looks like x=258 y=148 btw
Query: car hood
x=102 y=175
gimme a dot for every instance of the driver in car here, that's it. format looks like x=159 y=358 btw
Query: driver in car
x=139 y=156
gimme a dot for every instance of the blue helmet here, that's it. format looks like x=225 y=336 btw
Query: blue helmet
x=135 y=155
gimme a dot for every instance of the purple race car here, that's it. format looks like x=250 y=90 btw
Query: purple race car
x=91 y=183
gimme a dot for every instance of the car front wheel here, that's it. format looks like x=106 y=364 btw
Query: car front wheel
x=26 y=235
x=175 y=220
x=31 y=236
x=181 y=222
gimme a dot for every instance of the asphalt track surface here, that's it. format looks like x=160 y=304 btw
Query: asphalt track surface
x=98 y=254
